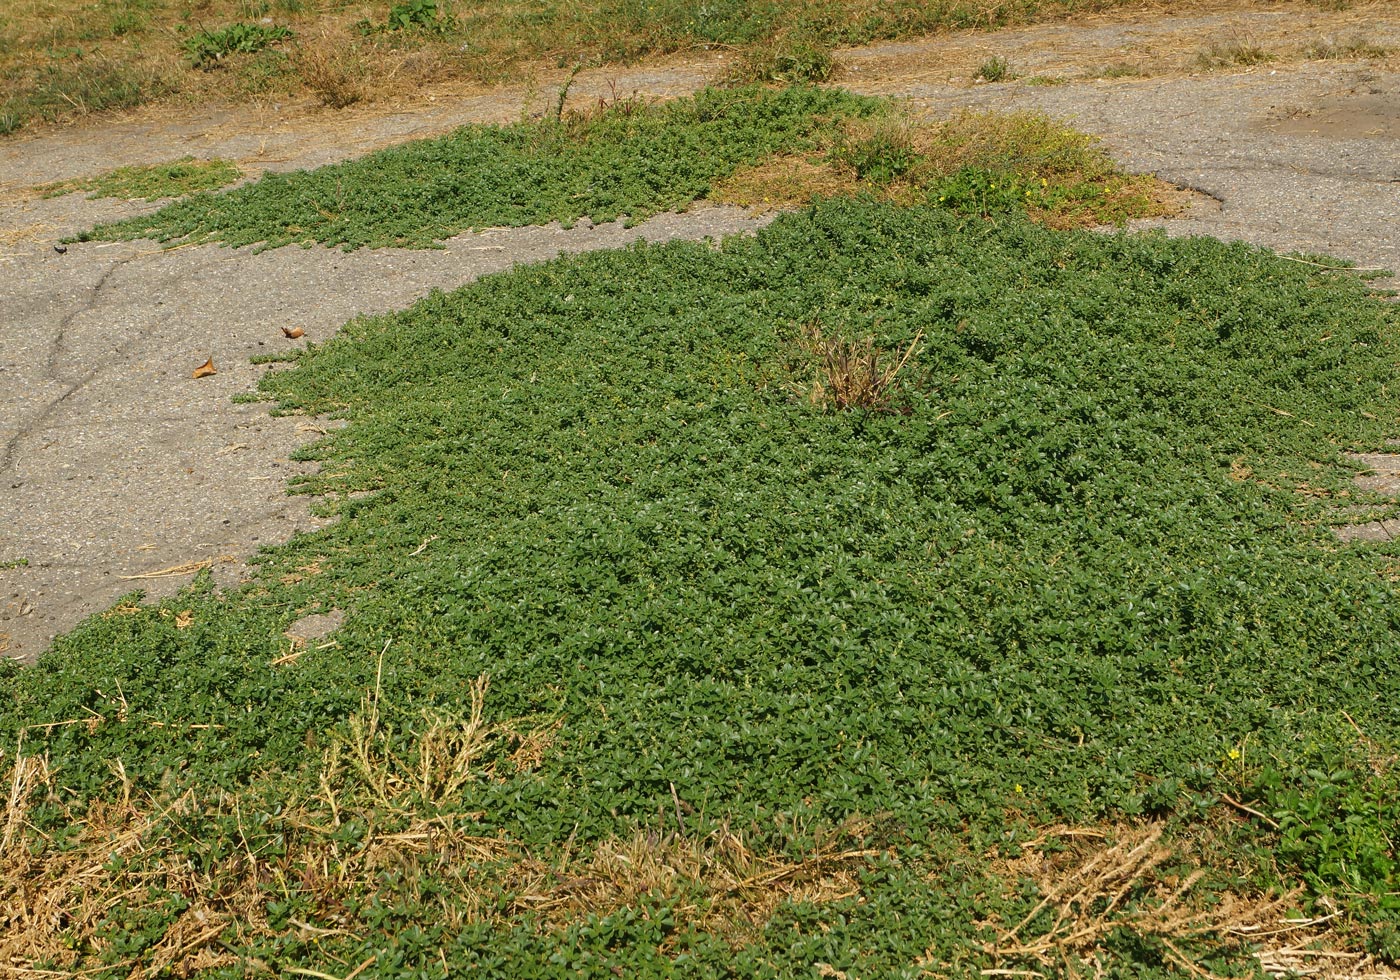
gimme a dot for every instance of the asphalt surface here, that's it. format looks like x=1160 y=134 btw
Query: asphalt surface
x=117 y=465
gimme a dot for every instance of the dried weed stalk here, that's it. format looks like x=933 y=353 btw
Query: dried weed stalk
x=853 y=373
x=432 y=764
x=377 y=818
x=1129 y=879
x=334 y=70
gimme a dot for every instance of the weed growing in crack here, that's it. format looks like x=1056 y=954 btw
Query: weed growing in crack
x=628 y=158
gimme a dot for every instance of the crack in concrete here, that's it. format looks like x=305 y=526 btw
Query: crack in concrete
x=7 y=453
x=60 y=334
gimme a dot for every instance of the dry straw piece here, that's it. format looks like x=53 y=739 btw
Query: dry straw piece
x=1129 y=878
x=854 y=373
x=126 y=854
x=187 y=568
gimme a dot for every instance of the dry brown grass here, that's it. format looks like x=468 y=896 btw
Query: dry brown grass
x=1163 y=40
x=381 y=825
x=127 y=857
x=851 y=373
x=335 y=72
x=784 y=182
x=1357 y=44
x=1095 y=883
x=50 y=43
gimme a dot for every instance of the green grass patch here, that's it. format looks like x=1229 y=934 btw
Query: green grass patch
x=151 y=183
x=1078 y=569
x=785 y=59
x=628 y=161
x=994 y=69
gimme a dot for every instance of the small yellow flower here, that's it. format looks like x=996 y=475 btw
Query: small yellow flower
x=1234 y=753
x=1020 y=788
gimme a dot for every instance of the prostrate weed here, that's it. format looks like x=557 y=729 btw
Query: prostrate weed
x=655 y=665
x=627 y=160
x=634 y=160
x=151 y=183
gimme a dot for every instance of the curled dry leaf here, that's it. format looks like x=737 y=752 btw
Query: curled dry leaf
x=293 y=332
x=206 y=369
x=184 y=619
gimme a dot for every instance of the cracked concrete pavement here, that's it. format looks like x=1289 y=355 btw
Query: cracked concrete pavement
x=116 y=463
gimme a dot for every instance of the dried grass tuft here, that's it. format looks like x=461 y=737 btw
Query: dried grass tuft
x=853 y=374
x=333 y=69
x=125 y=860
x=1130 y=879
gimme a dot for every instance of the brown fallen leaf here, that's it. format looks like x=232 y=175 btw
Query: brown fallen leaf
x=293 y=332
x=206 y=369
x=184 y=619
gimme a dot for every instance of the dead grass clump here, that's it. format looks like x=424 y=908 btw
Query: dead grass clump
x=1236 y=52
x=130 y=864
x=333 y=70
x=1331 y=48
x=1117 y=69
x=404 y=769
x=204 y=883
x=783 y=182
x=723 y=885
x=851 y=374
x=1096 y=885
